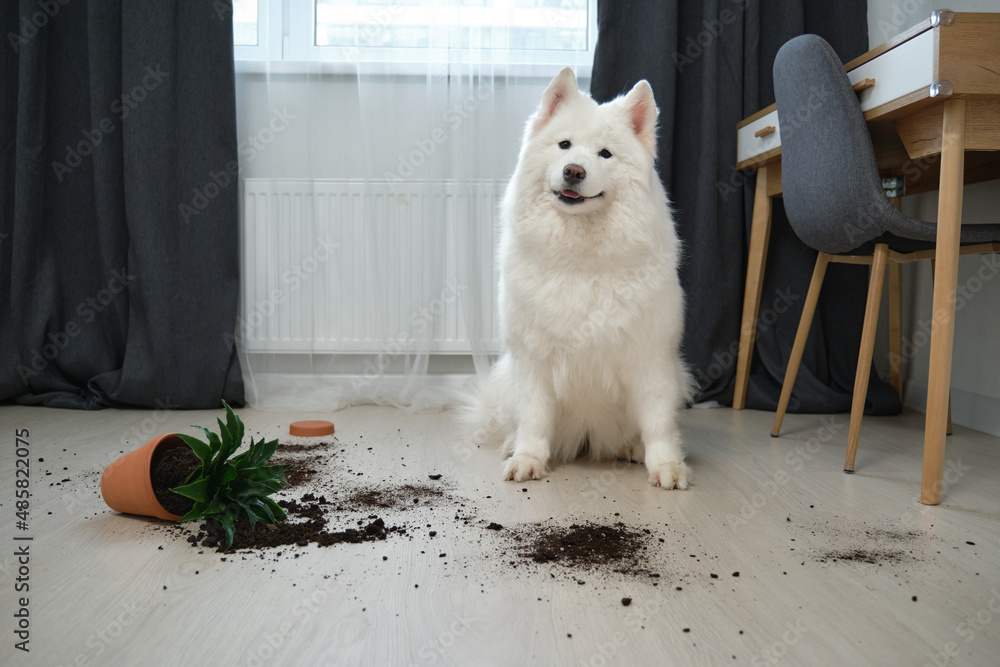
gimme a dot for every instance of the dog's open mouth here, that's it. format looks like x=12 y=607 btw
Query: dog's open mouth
x=571 y=197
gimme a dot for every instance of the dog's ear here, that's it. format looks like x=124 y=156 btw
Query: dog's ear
x=642 y=112
x=562 y=88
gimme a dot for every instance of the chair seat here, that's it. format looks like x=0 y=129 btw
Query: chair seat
x=971 y=235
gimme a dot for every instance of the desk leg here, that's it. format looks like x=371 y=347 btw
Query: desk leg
x=945 y=286
x=760 y=232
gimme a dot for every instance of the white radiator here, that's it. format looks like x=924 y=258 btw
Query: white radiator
x=368 y=267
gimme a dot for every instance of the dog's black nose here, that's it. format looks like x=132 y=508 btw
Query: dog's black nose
x=574 y=173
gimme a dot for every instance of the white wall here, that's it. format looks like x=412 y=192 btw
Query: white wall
x=976 y=357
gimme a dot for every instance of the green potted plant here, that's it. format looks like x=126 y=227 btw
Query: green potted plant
x=219 y=486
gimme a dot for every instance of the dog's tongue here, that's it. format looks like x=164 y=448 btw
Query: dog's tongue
x=570 y=194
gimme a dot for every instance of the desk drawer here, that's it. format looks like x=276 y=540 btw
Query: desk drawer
x=909 y=67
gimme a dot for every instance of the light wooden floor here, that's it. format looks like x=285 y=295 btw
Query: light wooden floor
x=103 y=592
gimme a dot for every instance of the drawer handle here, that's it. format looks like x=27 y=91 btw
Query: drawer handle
x=864 y=84
x=764 y=131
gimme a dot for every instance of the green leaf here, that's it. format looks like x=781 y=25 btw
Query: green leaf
x=197 y=491
x=266 y=451
x=262 y=509
x=195 y=512
x=227 y=447
x=250 y=514
x=276 y=509
x=234 y=423
x=227 y=524
x=200 y=449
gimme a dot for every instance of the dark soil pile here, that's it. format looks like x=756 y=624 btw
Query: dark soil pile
x=170 y=468
x=591 y=546
x=306 y=524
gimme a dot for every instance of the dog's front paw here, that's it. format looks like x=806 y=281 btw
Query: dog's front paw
x=521 y=467
x=670 y=475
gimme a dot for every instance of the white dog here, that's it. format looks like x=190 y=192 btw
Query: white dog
x=591 y=308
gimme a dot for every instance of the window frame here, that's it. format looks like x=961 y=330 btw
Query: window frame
x=286 y=31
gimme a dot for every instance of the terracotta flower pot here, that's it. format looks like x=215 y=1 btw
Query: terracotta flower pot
x=127 y=485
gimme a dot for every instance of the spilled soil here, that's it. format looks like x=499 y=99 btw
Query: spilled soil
x=313 y=504
x=306 y=524
x=170 y=468
x=590 y=546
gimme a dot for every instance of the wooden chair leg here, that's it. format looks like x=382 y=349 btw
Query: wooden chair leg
x=948 y=429
x=896 y=327
x=798 y=347
x=866 y=351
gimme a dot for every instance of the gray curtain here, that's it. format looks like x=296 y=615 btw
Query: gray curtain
x=709 y=64
x=119 y=272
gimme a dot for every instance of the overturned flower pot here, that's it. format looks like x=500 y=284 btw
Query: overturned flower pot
x=127 y=484
x=207 y=485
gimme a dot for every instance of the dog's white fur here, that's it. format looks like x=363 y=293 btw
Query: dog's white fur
x=591 y=308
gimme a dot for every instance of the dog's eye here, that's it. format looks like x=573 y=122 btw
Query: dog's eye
x=605 y=153
x=564 y=145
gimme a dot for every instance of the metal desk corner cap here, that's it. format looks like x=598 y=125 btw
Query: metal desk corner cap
x=941 y=17
x=942 y=88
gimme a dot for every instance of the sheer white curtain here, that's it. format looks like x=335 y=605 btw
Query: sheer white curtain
x=375 y=138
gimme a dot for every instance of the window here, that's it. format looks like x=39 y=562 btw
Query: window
x=416 y=32
x=245 y=22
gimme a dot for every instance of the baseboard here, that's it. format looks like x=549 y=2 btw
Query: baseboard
x=308 y=392
x=975 y=411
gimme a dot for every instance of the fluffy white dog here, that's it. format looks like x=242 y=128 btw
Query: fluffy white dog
x=591 y=308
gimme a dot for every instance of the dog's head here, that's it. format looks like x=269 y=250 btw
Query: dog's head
x=589 y=154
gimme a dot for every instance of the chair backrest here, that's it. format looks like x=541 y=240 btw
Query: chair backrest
x=832 y=190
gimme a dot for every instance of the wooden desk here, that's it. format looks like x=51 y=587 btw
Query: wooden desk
x=929 y=95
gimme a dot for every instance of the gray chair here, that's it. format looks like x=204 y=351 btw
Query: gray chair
x=835 y=203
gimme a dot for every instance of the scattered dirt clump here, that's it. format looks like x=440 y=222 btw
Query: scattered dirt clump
x=391 y=498
x=299 y=470
x=306 y=524
x=591 y=546
x=298 y=448
x=871 y=556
